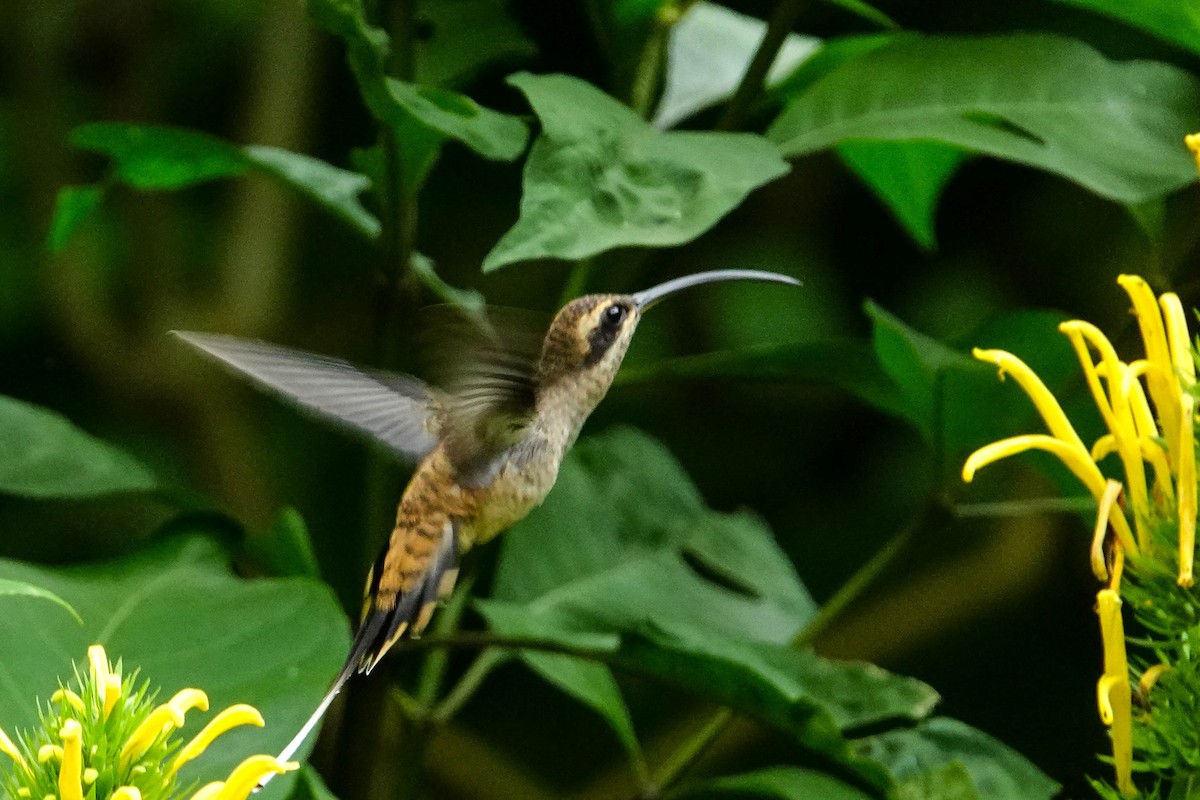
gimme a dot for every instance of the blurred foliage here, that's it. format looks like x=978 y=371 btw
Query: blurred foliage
x=642 y=634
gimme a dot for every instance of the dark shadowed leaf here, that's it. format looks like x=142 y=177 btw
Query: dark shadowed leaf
x=599 y=177
x=176 y=612
x=467 y=36
x=944 y=782
x=785 y=783
x=907 y=176
x=1041 y=100
x=10 y=588
x=997 y=771
x=1176 y=21
x=157 y=157
x=286 y=548
x=471 y=302
x=72 y=207
x=45 y=456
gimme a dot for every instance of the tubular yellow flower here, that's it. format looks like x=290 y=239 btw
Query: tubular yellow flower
x=1051 y=412
x=1192 y=140
x=1185 y=376
x=1113 y=691
x=81 y=759
x=1150 y=677
x=245 y=776
x=9 y=749
x=100 y=675
x=231 y=717
x=162 y=720
x=70 y=775
x=49 y=752
x=1115 y=408
x=1100 y=535
x=1163 y=387
x=70 y=698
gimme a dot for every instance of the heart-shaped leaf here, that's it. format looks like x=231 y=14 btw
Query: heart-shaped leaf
x=600 y=177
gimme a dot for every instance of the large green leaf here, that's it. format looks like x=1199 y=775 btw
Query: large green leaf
x=997 y=771
x=907 y=176
x=151 y=157
x=10 y=588
x=176 y=612
x=45 y=456
x=467 y=36
x=1176 y=21
x=600 y=177
x=1046 y=101
x=785 y=783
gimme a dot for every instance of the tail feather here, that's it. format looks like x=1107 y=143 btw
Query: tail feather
x=380 y=629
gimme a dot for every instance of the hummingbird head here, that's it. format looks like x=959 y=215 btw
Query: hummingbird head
x=588 y=338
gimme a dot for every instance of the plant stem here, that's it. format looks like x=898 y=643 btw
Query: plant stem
x=467 y=685
x=689 y=753
x=780 y=25
x=433 y=671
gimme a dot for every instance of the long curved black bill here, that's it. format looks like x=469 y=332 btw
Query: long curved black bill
x=648 y=297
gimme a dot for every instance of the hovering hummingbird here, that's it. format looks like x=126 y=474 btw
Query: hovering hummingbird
x=487 y=446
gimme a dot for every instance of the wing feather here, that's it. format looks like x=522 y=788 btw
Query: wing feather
x=394 y=410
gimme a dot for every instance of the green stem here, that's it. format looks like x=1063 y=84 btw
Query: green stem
x=467 y=685
x=780 y=25
x=649 y=65
x=689 y=753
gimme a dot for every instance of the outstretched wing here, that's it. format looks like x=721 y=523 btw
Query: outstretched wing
x=395 y=410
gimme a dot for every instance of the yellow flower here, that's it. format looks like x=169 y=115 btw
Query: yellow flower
x=74 y=754
x=1192 y=140
x=1148 y=407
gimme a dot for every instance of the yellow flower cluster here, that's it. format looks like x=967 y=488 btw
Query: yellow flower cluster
x=1148 y=407
x=143 y=762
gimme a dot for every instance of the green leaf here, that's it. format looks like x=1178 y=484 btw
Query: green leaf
x=176 y=612
x=45 y=456
x=619 y=541
x=589 y=682
x=599 y=177
x=157 y=157
x=72 y=207
x=467 y=36
x=599 y=547
x=399 y=104
x=1176 y=21
x=471 y=302
x=310 y=786
x=944 y=782
x=786 y=783
x=1035 y=99
x=919 y=365
x=907 y=176
x=866 y=11
x=997 y=771
x=336 y=190
x=707 y=55
x=286 y=548
x=10 y=588
x=489 y=133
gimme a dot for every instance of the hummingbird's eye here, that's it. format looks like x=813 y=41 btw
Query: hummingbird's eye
x=614 y=314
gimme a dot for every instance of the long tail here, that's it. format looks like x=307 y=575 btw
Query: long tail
x=381 y=628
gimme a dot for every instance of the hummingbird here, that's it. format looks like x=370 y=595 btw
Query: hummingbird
x=487 y=445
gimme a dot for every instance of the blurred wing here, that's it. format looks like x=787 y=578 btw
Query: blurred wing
x=490 y=380
x=395 y=410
